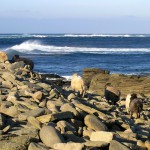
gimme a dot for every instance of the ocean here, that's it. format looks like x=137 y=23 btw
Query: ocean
x=65 y=54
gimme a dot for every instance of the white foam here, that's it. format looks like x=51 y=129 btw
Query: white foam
x=39 y=36
x=30 y=47
x=106 y=35
x=67 y=77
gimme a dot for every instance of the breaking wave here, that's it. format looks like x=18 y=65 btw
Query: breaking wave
x=36 y=47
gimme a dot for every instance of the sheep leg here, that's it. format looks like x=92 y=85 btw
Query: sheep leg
x=130 y=114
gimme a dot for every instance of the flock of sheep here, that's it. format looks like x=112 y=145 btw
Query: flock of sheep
x=112 y=95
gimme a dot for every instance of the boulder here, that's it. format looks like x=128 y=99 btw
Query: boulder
x=50 y=136
x=92 y=122
x=89 y=73
x=101 y=136
x=124 y=83
x=3 y=57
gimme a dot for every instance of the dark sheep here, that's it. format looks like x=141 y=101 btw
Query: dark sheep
x=135 y=106
x=16 y=58
x=111 y=94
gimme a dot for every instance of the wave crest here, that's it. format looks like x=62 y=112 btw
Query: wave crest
x=36 y=47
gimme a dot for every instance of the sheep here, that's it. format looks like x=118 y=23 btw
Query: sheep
x=77 y=84
x=136 y=107
x=128 y=99
x=111 y=94
x=133 y=105
x=17 y=58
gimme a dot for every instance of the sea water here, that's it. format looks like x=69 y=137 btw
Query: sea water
x=65 y=54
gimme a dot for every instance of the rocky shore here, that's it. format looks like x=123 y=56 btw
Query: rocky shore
x=39 y=115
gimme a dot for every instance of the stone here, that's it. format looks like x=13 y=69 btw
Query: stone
x=147 y=144
x=90 y=110
x=51 y=105
x=42 y=103
x=37 y=96
x=89 y=73
x=87 y=133
x=45 y=86
x=65 y=126
x=125 y=83
x=34 y=113
x=115 y=145
x=36 y=146
x=3 y=57
x=10 y=110
x=8 y=76
x=92 y=122
x=17 y=65
x=141 y=145
x=34 y=122
x=69 y=146
x=53 y=94
x=12 y=96
x=71 y=96
x=44 y=118
x=99 y=144
x=2 y=121
x=7 y=84
x=50 y=136
x=101 y=136
x=65 y=107
x=73 y=138
x=7 y=145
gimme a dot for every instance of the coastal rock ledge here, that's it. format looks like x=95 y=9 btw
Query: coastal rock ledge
x=97 y=78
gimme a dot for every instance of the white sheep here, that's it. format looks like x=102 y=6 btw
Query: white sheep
x=77 y=84
x=128 y=100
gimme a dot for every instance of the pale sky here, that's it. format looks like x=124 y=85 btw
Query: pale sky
x=75 y=16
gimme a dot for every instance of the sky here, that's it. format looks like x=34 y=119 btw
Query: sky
x=75 y=16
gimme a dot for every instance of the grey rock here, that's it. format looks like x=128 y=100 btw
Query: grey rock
x=115 y=145
x=50 y=136
x=92 y=122
x=36 y=146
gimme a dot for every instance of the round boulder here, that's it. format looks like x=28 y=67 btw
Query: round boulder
x=50 y=136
